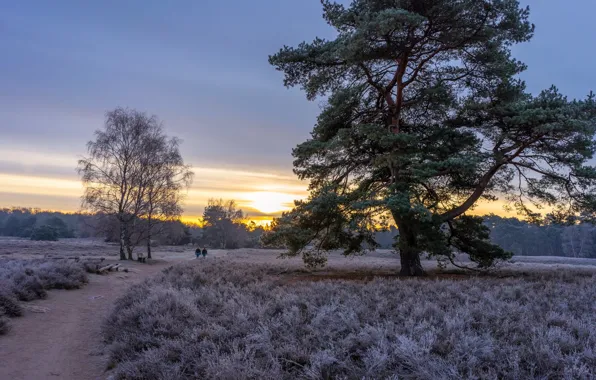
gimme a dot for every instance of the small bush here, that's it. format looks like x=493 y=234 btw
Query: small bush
x=225 y=321
x=9 y=306
x=65 y=275
x=45 y=233
x=28 y=287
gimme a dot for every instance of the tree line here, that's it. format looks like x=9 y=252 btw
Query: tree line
x=577 y=239
x=525 y=238
x=26 y=222
x=37 y=224
x=225 y=226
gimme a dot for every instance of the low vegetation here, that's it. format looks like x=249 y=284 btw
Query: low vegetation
x=225 y=321
x=27 y=280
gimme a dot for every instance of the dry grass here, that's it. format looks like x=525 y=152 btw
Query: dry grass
x=27 y=280
x=220 y=320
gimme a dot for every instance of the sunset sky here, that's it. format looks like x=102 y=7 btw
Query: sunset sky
x=201 y=66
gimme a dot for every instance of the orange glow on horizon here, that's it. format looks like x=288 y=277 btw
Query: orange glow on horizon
x=261 y=196
x=269 y=202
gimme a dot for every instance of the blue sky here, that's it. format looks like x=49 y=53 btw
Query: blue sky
x=201 y=66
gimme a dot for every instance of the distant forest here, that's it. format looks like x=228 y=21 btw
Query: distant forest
x=517 y=236
x=527 y=239
x=37 y=224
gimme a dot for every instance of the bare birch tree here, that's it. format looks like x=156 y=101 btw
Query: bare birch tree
x=125 y=163
x=166 y=176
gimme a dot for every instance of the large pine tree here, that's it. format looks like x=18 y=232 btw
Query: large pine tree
x=425 y=117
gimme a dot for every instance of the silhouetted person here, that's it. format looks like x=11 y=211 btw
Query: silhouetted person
x=198 y=252
x=204 y=252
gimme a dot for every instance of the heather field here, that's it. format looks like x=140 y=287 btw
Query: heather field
x=246 y=314
x=223 y=320
x=26 y=248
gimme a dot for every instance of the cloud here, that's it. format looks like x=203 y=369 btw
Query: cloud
x=248 y=188
x=65 y=64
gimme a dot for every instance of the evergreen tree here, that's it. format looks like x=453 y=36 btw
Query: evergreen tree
x=60 y=227
x=425 y=117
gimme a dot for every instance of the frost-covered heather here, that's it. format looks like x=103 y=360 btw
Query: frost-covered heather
x=230 y=321
x=61 y=248
x=26 y=280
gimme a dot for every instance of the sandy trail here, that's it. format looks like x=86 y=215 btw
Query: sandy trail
x=65 y=342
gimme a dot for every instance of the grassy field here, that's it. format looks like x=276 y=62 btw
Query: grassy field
x=222 y=320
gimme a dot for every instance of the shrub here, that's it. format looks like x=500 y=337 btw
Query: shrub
x=26 y=280
x=9 y=305
x=61 y=275
x=34 y=276
x=225 y=321
x=45 y=232
x=28 y=287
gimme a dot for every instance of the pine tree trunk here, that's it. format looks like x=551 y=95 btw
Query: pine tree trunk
x=410 y=263
x=148 y=248
x=409 y=253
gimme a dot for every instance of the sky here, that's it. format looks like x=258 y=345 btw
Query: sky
x=201 y=67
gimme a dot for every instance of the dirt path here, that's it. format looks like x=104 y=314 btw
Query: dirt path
x=65 y=342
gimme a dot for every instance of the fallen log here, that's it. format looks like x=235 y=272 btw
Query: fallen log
x=114 y=267
x=107 y=268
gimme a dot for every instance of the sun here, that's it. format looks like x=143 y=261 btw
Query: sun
x=270 y=202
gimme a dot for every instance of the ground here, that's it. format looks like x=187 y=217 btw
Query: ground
x=64 y=340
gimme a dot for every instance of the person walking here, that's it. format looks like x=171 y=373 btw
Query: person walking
x=198 y=252
x=204 y=252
